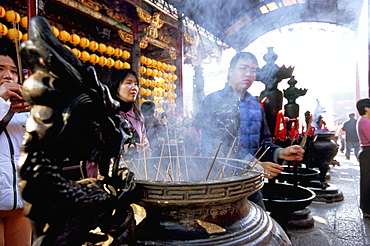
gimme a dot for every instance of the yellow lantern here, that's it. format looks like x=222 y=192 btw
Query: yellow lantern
x=94 y=58
x=149 y=92
x=2 y=12
x=148 y=61
x=12 y=16
x=64 y=36
x=159 y=94
x=142 y=81
x=14 y=34
x=155 y=72
x=159 y=65
x=164 y=75
x=25 y=37
x=109 y=51
x=149 y=72
x=174 y=86
x=55 y=30
x=110 y=62
x=154 y=63
x=142 y=91
x=142 y=100
x=74 y=39
x=84 y=42
x=174 y=68
x=126 y=54
x=143 y=59
x=93 y=45
x=174 y=77
x=142 y=69
x=24 y=21
x=102 y=48
x=160 y=74
x=117 y=52
x=102 y=61
x=3 y=30
x=85 y=56
x=169 y=76
x=118 y=64
x=77 y=52
x=126 y=65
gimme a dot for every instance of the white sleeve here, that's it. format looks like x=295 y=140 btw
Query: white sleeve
x=4 y=107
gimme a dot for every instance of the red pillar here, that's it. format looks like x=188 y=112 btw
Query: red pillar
x=31 y=9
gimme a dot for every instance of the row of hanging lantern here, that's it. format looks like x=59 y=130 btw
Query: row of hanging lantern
x=157 y=80
x=160 y=89
x=16 y=35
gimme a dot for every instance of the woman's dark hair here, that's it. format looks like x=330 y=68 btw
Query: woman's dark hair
x=115 y=80
x=244 y=56
x=362 y=104
x=7 y=48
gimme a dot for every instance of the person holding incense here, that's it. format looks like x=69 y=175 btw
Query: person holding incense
x=235 y=118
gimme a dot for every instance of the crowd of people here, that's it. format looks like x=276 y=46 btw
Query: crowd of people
x=232 y=116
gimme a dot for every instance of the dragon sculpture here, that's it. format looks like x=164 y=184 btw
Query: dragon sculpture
x=73 y=119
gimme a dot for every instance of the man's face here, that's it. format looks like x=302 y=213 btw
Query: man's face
x=242 y=75
x=8 y=70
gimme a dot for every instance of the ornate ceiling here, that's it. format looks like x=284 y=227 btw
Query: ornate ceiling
x=238 y=23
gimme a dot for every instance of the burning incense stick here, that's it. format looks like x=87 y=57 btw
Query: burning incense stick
x=144 y=149
x=160 y=160
x=137 y=171
x=213 y=162
x=264 y=152
x=250 y=161
x=158 y=171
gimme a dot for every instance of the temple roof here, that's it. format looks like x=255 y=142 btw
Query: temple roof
x=238 y=23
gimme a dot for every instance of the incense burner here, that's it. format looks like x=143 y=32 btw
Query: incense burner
x=203 y=212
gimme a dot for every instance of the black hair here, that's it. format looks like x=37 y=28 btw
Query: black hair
x=7 y=48
x=362 y=104
x=244 y=56
x=115 y=80
x=148 y=108
x=351 y=115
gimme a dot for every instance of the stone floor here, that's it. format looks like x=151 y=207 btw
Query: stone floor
x=338 y=223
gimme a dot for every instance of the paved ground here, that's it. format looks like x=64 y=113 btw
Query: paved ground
x=338 y=223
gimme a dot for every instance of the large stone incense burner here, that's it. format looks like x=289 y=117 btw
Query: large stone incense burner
x=203 y=202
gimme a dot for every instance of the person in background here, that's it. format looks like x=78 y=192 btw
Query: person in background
x=339 y=135
x=234 y=114
x=155 y=130
x=363 y=130
x=352 y=141
x=15 y=228
x=124 y=87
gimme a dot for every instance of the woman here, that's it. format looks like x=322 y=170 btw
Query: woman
x=124 y=87
x=363 y=131
x=15 y=228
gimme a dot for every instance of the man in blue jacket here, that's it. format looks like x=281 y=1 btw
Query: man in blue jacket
x=236 y=118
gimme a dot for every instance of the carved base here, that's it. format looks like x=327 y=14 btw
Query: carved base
x=301 y=221
x=328 y=195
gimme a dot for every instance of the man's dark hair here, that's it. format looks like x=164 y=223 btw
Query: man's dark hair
x=362 y=104
x=148 y=108
x=351 y=115
x=242 y=55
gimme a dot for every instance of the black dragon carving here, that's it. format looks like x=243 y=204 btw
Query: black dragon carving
x=73 y=118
